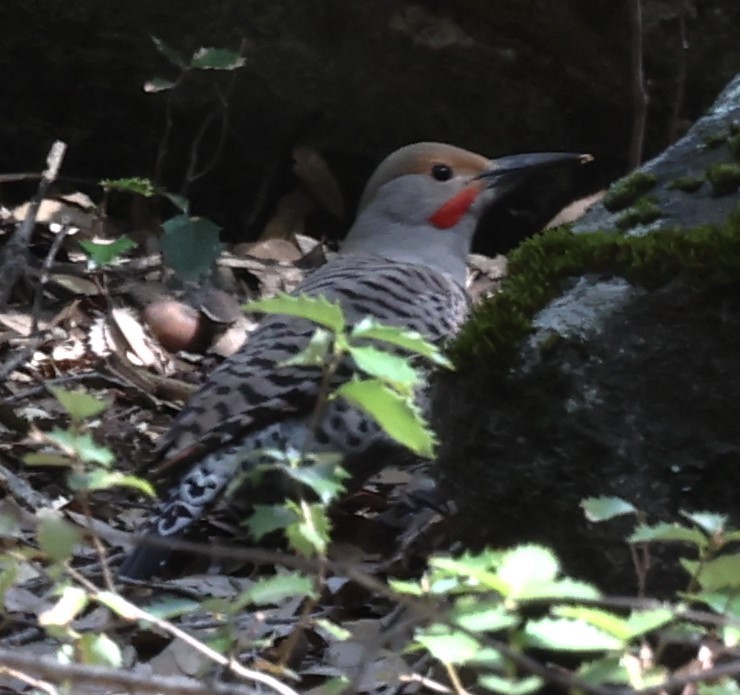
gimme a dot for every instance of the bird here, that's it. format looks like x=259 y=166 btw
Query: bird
x=403 y=263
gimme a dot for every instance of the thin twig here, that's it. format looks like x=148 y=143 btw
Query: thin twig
x=44 y=277
x=639 y=90
x=14 y=256
x=29 y=680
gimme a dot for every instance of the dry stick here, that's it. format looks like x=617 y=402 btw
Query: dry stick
x=50 y=669
x=14 y=256
x=29 y=680
x=639 y=91
x=44 y=277
x=133 y=612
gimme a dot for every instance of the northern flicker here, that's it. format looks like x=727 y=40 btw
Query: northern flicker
x=403 y=263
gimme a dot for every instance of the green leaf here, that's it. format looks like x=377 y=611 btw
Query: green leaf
x=275 y=589
x=190 y=245
x=310 y=535
x=391 y=369
x=726 y=686
x=268 y=518
x=70 y=604
x=605 y=508
x=48 y=459
x=625 y=629
x=216 y=59
x=401 y=586
x=316 y=309
x=463 y=567
x=336 y=631
x=709 y=522
x=83 y=445
x=8 y=577
x=526 y=570
x=137 y=185
x=158 y=84
x=721 y=573
x=608 y=669
x=473 y=615
x=333 y=686
x=562 y=634
x=102 y=254
x=507 y=686
x=104 y=480
x=447 y=646
x=668 y=532
x=398 y=416
x=414 y=342
x=56 y=536
x=99 y=650
x=315 y=353
x=79 y=404
x=119 y=605
x=723 y=602
x=325 y=479
x=173 y=607
x=642 y=622
x=174 y=56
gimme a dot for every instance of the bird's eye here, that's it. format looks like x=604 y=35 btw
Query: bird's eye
x=442 y=172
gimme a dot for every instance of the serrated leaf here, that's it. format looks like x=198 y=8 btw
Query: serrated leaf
x=268 y=518
x=137 y=185
x=476 y=616
x=316 y=309
x=103 y=254
x=721 y=573
x=275 y=589
x=56 y=536
x=447 y=646
x=709 y=522
x=315 y=353
x=668 y=532
x=104 y=480
x=310 y=535
x=325 y=479
x=401 y=586
x=69 y=605
x=391 y=369
x=216 y=59
x=507 y=686
x=605 y=508
x=605 y=670
x=468 y=568
x=399 y=418
x=414 y=342
x=190 y=245
x=563 y=634
x=158 y=84
x=526 y=569
x=83 y=446
x=43 y=458
x=99 y=650
x=80 y=405
x=174 y=56
x=625 y=629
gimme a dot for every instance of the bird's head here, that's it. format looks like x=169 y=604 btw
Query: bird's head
x=423 y=202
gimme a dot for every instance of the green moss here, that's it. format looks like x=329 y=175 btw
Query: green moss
x=707 y=256
x=725 y=178
x=627 y=190
x=689 y=184
x=712 y=142
x=644 y=211
x=734 y=142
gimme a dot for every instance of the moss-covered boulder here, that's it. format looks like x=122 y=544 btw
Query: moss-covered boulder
x=608 y=365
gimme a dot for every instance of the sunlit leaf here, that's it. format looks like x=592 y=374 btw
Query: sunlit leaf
x=392 y=369
x=325 y=479
x=310 y=534
x=102 y=254
x=398 y=416
x=562 y=634
x=268 y=518
x=448 y=646
x=507 y=686
x=275 y=589
x=414 y=342
x=69 y=605
x=83 y=445
x=709 y=522
x=216 y=59
x=80 y=405
x=99 y=650
x=140 y=186
x=605 y=508
x=158 y=84
x=315 y=353
x=669 y=532
x=104 y=480
x=316 y=309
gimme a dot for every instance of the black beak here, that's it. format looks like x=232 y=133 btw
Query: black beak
x=509 y=171
x=524 y=192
